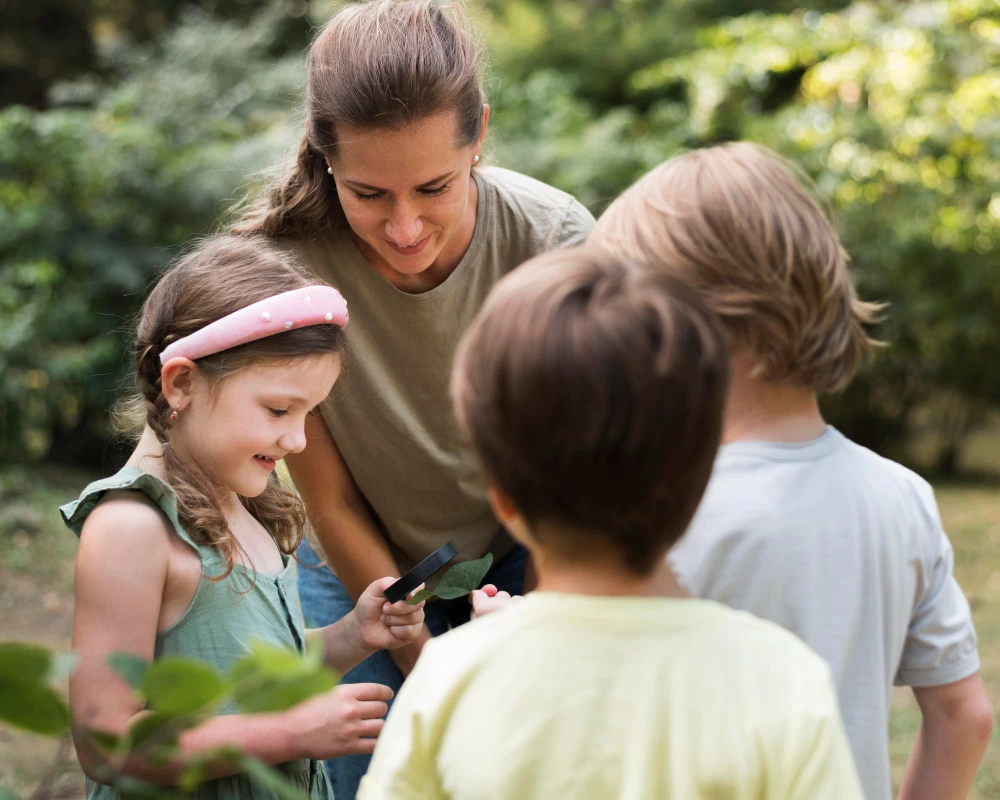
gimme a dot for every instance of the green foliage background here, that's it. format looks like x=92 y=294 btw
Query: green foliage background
x=893 y=107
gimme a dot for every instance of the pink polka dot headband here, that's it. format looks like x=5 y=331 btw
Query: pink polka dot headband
x=310 y=305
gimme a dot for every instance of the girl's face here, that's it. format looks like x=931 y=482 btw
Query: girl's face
x=406 y=195
x=253 y=418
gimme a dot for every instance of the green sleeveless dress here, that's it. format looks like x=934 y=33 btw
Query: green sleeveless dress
x=216 y=628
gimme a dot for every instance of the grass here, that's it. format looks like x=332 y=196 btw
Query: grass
x=36 y=580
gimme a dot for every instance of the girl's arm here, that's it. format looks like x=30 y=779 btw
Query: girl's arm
x=122 y=582
x=374 y=624
x=343 y=524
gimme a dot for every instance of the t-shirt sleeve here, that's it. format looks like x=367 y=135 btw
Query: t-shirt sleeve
x=403 y=766
x=816 y=758
x=575 y=227
x=940 y=645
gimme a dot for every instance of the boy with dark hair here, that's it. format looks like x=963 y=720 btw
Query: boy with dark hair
x=592 y=393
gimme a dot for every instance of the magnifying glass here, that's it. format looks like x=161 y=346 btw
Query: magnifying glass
x=420 y=573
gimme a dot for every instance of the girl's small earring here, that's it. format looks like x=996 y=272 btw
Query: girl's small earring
x=174 y=416
x=329 y=170
x=475 y=159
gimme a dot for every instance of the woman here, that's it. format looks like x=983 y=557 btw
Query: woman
x=386 y=202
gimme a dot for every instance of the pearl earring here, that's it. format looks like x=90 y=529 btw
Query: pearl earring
x=329 y=170
x=475 y=159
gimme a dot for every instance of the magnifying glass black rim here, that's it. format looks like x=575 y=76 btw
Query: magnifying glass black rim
x=420 y=573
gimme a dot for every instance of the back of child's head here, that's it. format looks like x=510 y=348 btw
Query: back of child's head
x=738 y=224
x=217 y=277
x=592 y=392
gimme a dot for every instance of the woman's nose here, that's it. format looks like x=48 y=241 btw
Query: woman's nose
x=403 y=228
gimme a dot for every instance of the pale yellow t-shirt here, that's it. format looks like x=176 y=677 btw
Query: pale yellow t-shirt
x=389 y=412
x=568 y=697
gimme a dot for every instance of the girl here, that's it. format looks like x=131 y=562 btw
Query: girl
x=388 y=201
x=186 y=550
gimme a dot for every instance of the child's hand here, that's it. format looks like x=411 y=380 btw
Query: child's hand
x=384 y=625
x=342 y=722
x=488 y=599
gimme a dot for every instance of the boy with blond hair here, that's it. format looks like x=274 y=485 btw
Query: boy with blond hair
x=799 y=525
x=592 y=393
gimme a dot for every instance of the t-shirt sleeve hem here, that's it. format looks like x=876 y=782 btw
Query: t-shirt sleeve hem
x=939 y=676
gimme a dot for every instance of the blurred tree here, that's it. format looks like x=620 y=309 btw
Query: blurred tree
x=45 y=41
x=94 y=203
x=893 y=108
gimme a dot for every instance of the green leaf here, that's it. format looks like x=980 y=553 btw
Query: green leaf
x=275 y=678
x=130 y=667
x=176 y=685
x=134 y=789
x=459 y=580
x=32 y=706
x=104 y=739
x=419 y=597
x=152 y=727
x=270 y=660
x=269 y=778
x=279 y=694
x=23 y=661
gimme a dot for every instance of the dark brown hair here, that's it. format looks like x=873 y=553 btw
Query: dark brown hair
x=221 y=275
x=592 y=393
x=381 y=64
x=739 y=225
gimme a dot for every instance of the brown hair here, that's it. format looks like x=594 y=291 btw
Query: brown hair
x=381 y=64
x=737 y=223
x=222 y=275
x=592 y=393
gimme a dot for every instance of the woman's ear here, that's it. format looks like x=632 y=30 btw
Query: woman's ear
x=177 y=382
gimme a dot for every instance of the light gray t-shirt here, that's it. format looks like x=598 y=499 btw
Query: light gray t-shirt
x=845 y=549
x=389 y=412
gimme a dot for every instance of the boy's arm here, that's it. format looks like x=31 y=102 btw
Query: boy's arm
x=940 y=661
x=956 y=728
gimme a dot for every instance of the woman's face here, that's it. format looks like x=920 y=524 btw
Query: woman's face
x=408 y=196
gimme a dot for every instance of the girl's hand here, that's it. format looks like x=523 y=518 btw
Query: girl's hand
x=488 y=599
x=384 y=625
x=342 y=722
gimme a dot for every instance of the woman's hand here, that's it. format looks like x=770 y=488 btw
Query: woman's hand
x=386 y=626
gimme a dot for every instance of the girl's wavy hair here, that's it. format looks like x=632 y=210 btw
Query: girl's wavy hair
x=219 y=276
x=383 y=64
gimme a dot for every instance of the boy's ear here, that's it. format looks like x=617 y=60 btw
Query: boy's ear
x=503 y=507
x=176 y=381
x=509 y=516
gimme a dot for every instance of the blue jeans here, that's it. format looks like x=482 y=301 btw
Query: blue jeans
x=325 y=600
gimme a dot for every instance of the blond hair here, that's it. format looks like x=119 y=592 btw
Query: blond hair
x=383 y=64
x=737 y=223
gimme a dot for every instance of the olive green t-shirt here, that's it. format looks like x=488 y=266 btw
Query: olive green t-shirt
x=389 y=412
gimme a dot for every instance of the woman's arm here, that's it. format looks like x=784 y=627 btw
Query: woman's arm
x=344 y=526
x=121 y=583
